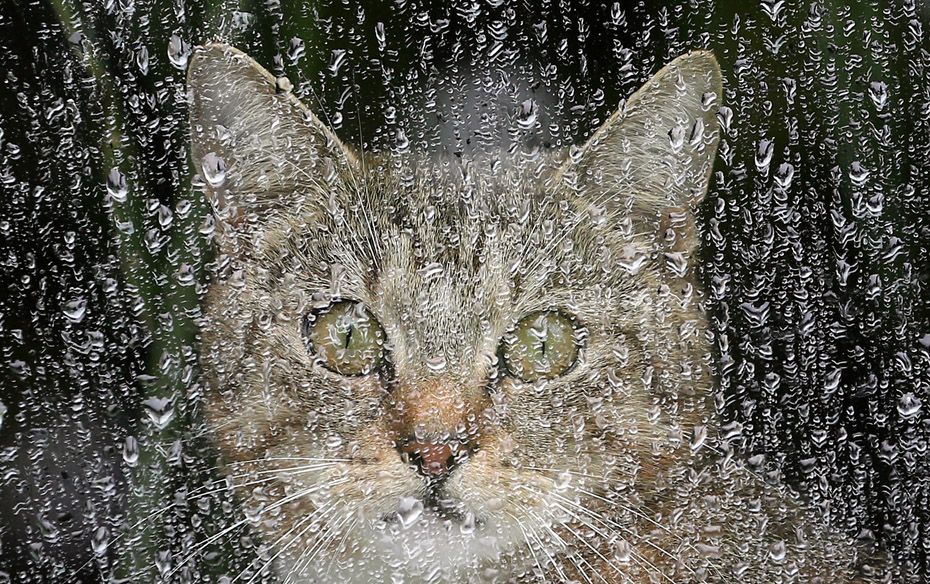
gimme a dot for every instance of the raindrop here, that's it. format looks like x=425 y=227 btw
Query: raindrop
x=436 y=364
x=676 y=137
x=909 y=405
x=296 y=49
x=469 y=524
x=116 y=185
x=616 y=14
x=334 y=442
x=100 y=540
x=401 y=142
x=677 y=263
x=409 y=510
x=283 y=85
x=632 y=259
x=878 y=91
x=623 y=551
x=764 y=153
x=380 y=36
x=214 y=169
x=756 y=315
x=698 y=437
x=778 y=551
x=163 y=562
x=697 y=133
x=773 y=8
x=165 y=216
x=528 y=115
x=131 y=451
x=858 y=174
x=142 y=60
x=75 y=309
x=187 y=275
x=178 y=52
x=784 y=174
x=725 y=118
x=336 y=60
x=430 y=271
x=3 y=411
x=160 y=411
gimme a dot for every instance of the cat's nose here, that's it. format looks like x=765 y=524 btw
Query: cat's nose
x=433 y=460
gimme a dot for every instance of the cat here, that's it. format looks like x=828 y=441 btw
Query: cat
x=488 y=369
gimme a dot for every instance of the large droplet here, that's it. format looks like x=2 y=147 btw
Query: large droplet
x=409 y=510
x=214 y=169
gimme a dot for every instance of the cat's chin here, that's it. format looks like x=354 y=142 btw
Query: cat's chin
x=444 y=543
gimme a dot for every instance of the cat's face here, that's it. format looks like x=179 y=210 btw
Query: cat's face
x=447 y=366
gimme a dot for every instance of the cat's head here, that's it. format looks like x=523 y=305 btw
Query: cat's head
x=433 y=364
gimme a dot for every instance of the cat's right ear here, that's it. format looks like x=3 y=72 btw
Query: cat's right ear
x=255 y=147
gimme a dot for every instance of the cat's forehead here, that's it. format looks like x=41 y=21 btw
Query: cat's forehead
x=441 y=201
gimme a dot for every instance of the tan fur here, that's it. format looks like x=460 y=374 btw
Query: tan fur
x=611 y=472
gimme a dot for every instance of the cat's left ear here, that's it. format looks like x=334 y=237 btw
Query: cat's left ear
x=651 y=161
x=256 y=148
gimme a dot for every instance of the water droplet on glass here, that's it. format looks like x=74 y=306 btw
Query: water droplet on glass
x=116 y=185
x=160 y=411
x=409 y=510
x=214 y=169
x=878 y=91
x=283 y=85
x=334 y=442
x=142 y=59
x=778 y=551
x=784 y=174
x=380 y=36
x=100 y=540
x=468 y=524
x=623 y=551
x=296 y=49
x=698 y=437
x=676 y=137
x=401 y=142
x=773 y=8
x=436 y=364
x=186 y=275
x=75 y=309
x=178 y=52
x=163 y=562
x=336 y=60
x=632 y=259
x=528 y=115
x=616 y=14
x=430 y=271
x=725 y=118
x=131 y=451
x=909 y=405
x=764 y=154
x=858 y=174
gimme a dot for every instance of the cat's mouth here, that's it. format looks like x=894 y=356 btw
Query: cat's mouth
x=434 y=506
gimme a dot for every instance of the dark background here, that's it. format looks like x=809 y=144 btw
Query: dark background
x=816 y=236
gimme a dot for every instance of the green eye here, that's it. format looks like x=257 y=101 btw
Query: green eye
x=541 y=346
x=347 y=337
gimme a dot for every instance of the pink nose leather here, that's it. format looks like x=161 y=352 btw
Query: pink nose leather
x=433 y=459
